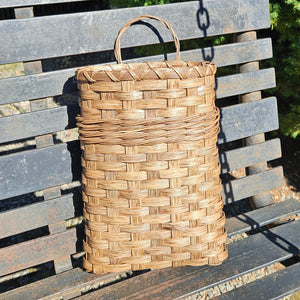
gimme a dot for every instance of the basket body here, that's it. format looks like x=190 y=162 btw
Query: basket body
x=151 y=186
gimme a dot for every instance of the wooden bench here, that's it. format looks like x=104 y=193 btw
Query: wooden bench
x=39 y=184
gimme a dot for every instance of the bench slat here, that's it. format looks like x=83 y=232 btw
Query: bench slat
x=247 y=119
x=22 y=3
x=66 y=285
x=223 y=55
x=60 y=35
x=251 y=185
x=36 y=215
x=32 y=124
x=261 y=217
x=238 y=84
x=244 y=256
x=247 y=156
x=71 y=282
x=275 y=286
x=37 y=251
x=30 y=171
x=58 y=82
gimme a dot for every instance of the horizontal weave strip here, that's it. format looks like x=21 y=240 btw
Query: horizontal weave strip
x=149 y=132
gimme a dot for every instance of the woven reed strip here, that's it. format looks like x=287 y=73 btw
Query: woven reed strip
x=151 y=186
x=149 y=132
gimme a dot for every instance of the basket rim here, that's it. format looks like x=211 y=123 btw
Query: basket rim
x=148 y=65
x=138 y=71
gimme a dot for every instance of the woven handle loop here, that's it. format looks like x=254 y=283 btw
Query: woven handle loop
x=124 y=28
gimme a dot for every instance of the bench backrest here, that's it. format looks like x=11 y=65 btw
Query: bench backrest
x=35 y=200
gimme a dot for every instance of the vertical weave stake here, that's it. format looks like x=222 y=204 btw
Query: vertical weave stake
x=151 y=186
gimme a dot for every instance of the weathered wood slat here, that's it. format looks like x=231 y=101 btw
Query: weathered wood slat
x=22 y=3
x=245 y=83
x=261 y=217
x=37 y=251
x=252 y=185
x=244 y=256
x=247 y=156
x=36 y=215
x=66 y=285
x=56 y=83
x=71 y=283
x=223 y=55
x=34 y=170
x=60 y=35
x=275 y=286
x=33 y=124
x=246 y=119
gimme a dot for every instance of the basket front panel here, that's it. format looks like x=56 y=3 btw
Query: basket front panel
x=151 y=186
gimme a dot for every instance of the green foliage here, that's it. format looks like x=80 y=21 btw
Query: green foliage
x=285 y=23
x=290 y=121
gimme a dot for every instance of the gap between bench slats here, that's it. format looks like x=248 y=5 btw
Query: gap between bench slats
x=70 y=283
x=36 y=215
x=60 y=35
x=274 y=286
x=244 y=256
x=56 y=83
x=22 y=3
x=237 y=121
x=37 y=251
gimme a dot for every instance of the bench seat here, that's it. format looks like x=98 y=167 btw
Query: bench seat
x=242 y=259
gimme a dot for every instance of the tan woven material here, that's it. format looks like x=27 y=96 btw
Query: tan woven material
x=151 y=185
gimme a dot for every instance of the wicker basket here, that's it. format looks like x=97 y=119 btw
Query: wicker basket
x=151 y=186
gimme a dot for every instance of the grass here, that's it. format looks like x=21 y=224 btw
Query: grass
x=11 y=70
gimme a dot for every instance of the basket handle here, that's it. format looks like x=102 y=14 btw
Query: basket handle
x=124 y=28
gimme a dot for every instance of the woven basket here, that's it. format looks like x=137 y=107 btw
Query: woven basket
x=151 y=186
